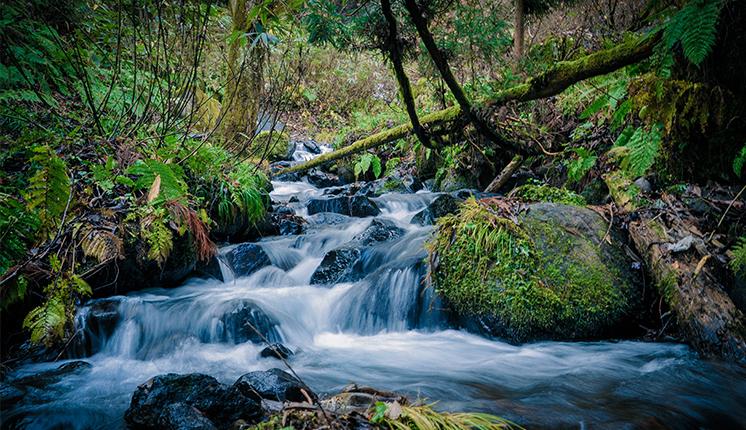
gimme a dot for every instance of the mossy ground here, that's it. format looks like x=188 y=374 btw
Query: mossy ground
x=276 y=149
x=538 y=192
x=529 y=281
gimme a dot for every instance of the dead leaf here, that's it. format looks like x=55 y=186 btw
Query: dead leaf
x=393 y=411
x=155 y=189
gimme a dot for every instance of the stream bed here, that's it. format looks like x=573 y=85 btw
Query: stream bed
x=384 y=329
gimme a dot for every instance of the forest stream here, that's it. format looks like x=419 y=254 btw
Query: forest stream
x=385 y=330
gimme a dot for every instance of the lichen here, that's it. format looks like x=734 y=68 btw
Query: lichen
x=533 y=280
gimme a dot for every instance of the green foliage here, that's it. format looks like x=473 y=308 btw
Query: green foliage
x=243 y=194
x=695 y=28
x=271 y=145
x=539 y=192
x=48 y=322
x=738 y=262
x=156 y=232
x=171 y=177
x=48 y=191
x=17 y=231
x=424 y=417
x=379 y=412
x=739 y=162
x=578 y=167
x=638 y=148
x=367 y=162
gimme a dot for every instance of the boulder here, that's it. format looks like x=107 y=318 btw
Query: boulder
x=167 y=400
x=209 y=269
x=379 y=230
x=357 y=206
x=312 y=147
x=291 y=225
x=246 y=259
x=276 y=350
x=320 y=179
x=442 y=205
x=337 y=266
x=273 y=384
x=551 y=275
x=241 y=324
x=96 y=322
x=272 y=145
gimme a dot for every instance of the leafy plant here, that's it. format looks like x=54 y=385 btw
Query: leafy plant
x=366 y=162
x=170 y=178
x=426 y=418
x=578 y=167
x=739 y=162
x=638 y=148
x=738 y=262
x=695 y=28
x=49 y=188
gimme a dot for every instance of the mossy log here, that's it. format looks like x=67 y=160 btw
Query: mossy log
x=710 y=320
x=553 y=81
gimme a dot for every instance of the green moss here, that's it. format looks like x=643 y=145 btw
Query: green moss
x=527 y=281
x=276 y=149
x=537 y=192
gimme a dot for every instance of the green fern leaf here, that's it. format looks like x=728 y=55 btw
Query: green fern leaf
x=738 y=262
x=695 y=27
x=644 y=146
x=47 y=322
x=172 y=186
x=49 y=188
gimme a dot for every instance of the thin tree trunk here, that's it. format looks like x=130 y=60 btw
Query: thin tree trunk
x=519 y=29
x=501 y=179
x=394 y=51
x=551 y=82
x=240 y=107
x=445 y=72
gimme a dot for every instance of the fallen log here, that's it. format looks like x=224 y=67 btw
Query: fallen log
x=685 y=279
x=501 y=179
x=553 y=81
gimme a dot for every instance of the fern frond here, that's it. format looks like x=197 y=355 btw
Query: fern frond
x=643 y=146
x=159 y=237
x=738 y=262
x=172 y=184
x=695 y=27
x=17 y=229
x=47 y=322
x=101 y=244
x=49 y=188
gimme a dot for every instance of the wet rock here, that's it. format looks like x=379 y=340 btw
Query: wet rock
x=96 y=323
x=442 y=205
x=241 y=324
x=643 y=184
x=284 y=210
x=312 y=147
x=246 y=259
x=276 y=350
x=321 y=179
x=357 y=206
x=327 y=218
x=9 y=394
x=48 y=377
x=379 y=230
x=337 y=266
x=291 y=225
x=210 y=269
x=273 y=384
x=181 y=416
x=172 y=398
x=293 y=199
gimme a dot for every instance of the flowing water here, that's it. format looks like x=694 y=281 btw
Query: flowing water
x=385 y=330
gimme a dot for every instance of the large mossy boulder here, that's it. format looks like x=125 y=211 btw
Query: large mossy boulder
x=537 y=271
x=272 y=145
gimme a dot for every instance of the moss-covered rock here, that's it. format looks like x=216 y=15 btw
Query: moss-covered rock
x=547 y=272
x=538 y=192
x=278 y=148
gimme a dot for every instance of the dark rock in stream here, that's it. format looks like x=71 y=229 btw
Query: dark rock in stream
x=337 y=266
x=166 y=401
x=276 y=350
x=209 y=269
x=14 y=390
x=95 y=323
x=442 y=205
x=246 y=259
x=379 y=230
x=321 y=179
x=242 y=323
x=274 y=384
x=357 y=206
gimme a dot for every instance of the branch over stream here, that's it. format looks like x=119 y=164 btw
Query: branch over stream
x=549 y=83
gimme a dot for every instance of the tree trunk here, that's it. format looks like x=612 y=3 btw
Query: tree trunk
x=394 y=52
x=240 y=107
x=501 y=179
x=520 y=9
x=549 y=83
x=710 y=320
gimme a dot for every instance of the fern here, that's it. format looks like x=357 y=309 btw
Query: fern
x=579 y=167
x=17 y=229
x=639 y=148
x=154 y=229
x=739 y=162
x=172 y=184
x=695 y=27
x=101 y=244
x=738 y=262
x=49 y=188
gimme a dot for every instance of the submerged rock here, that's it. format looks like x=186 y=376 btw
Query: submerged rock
x=166 y=401
x=274 y=384
x=337 y=266
x=550 y=276
x=96 y=323
x=356 y=206
x=379 y=230
x=242 y=323
x=247 y=258
x=276 y=350
x=321 y=179
x=442 y=205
